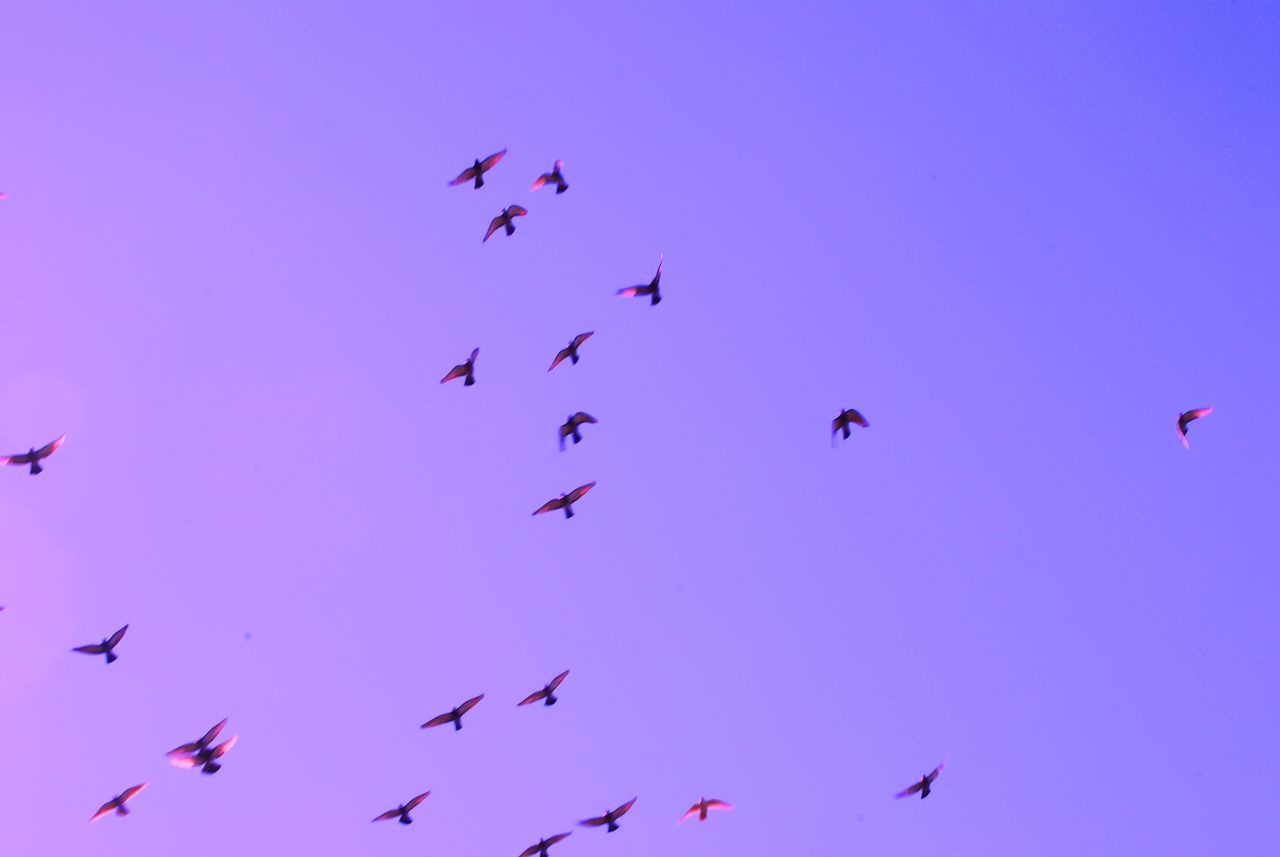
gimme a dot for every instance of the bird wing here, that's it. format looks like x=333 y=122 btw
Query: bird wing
x=595 y=822
x=856 y=417
x=456 y=372
x=389 y=814
x=560 y=356
x=555 y=682
x=933 y=775
x=495 y=225
x=95 y=649
x=439 y=720
x=417 y=800
x=653 y=284
x=492 y=161
x=469 y=704
x=116 y=637
x=718 y=804
x=106 y=809
x=50 y=448
x=185 y=762
x=209 y=737
x=634 y=291
x=532 y=698
x=581 y=338
x=543 y=179
x=908 y=792
x=578 y=493
x=475 y=352
x=531 y=850
x=690 y=813
x=516 y=211
x=559 y=837
x=583 y=417
x=23 y=458
x=128 y=793
x=622 y=810
x=550 y=506
x=465 y=176
x=223 y=748
x=185 y=750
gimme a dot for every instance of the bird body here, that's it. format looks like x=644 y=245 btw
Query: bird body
x=454 y=716
x=566 y=501
x=477 y=170
x=505 y=220
x=34 y=456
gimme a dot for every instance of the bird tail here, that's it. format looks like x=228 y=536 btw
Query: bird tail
x=657 y=299
x=479 y=180
x=457 y=724
x=211 y=768
x=112 y=657
x=577 y=438
x=122 y=810
x=471 y=379
x=405 y=819
x=568 y=511
x=573 y=359
x=36 y=469
x=511 y=228
x=561 y=188
x=846 y=431
x=612 y=827
x=551 y=699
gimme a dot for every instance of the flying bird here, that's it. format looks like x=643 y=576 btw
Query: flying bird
x=1185 y=419
x=543 y=844
x=106 y=647
x=924 y=786
x=610 y=817
x=34 y=456
x=571 y=350
x=547 y=693
x=477 y=170
x=505 y=220
x=570 y=428
x=651 y=289
x=454 y=716
x=206 y=758
x=464 y=370
x=402 y=811
x=117 y=803
x=566 y=501
x=846 y=418
x=200 y=743
x=554 y=176
x=702 y=807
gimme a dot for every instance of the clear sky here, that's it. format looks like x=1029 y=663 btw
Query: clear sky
x=1019 y=237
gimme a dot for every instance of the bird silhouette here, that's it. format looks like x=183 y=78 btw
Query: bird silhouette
x=505 y=220
x=1186 y=418
x=570 y=428
x=34 y=456
x=477 y=170
x=206 y=758
x=454 y=716
x=547 y=693
x=702 y=807
x=402 y=811
x=555 y=176
x=846 y=418
x=566 y=501
x=655 y=296
x=543 y=844
x=570 y=351
x=610 y=817
x=464 y=370
x=924 y=786
x=200 y=743
x=106 y=647
x=118 y=802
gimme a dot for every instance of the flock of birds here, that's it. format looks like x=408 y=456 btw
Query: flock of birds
x=205 y=755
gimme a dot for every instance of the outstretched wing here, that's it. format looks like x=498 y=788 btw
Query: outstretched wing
x=583 y=417
x=469 y=704
x=559 y=837
x=622 y=810
x=531 y=850
x=492 y=161
x=517 y=211
x=439 y=720
x=210 y=736
x=417 y=800
x=456 y=372
x=128 y=793
x=560 y=356
x=543 y=179
x=555 y=682
x=495 y=225
x=106 y=809
x=581 y=338
x=532 y=698
x=718 y=804
x=653 y=284
x=550 y=506
x=95 y=649
x=223 y=748
x=690 y=813
x=465 y=176
x=185 y=762
x=389 y=814
x=634 y=291
x=857 y=418
x=933 y=775
x=50 y=448
x=24 y=458
x=116 y=637
x=908 y=792
x=595 y=822
x=578 y=493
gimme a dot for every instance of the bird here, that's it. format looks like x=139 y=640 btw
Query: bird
x=651 y=289
x=543 y=844
x=702 y=807
x=924 y=786
x=570 y=428
x=206 y=758
x=34 y=456
x=571 y=350
x=554 y=176
x=200 y=743
x=1186 y=418
x=402 y=811
x=464 y=370
x=454 y=716
x=118 y=802
x=547 y=693
x=503 y=220
x=478 y=169
x=566 y=501
x=610 y=817
x=846 y=418
x=106 y=647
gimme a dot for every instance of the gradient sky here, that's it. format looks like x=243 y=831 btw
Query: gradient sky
x=1019 y=237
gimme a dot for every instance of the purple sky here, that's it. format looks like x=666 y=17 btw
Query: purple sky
x=1020 y=238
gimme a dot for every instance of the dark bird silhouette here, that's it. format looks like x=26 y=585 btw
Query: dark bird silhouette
x=505 y=220
x=570 y=428
x=571 y=350
x=847 y=417
x=924 y=786
x=554 y=176
x=106 y=647
x=454 y=716
x=543 y=844
x=566 y=501
x=477 y=170
x=1185 y=419
x=702 y=807
x=34 y=456
x=547 y=693
x=655 y=296
x=402 y=811
x=464 y=370
x=200 y=743
x=117 y=803
x=206 y=758
x=610 y=817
